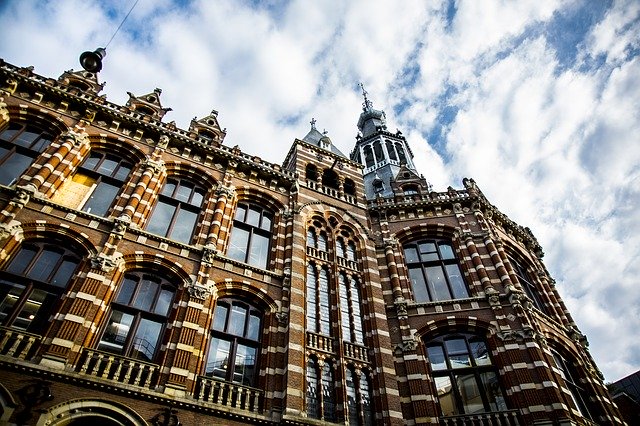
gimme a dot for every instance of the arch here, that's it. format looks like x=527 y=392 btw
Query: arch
x=311 y=172
x=7 y=404
x=43 y=118
x=256 y=196
x=456 y=324
x=44 y=230
x=317 y=209
x=187 y=171
x=123 y=148
x=330 y=178
x=429 y=229
x=242 y=289
x=69 y=412
x=155 y=262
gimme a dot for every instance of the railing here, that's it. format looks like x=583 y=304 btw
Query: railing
x=318 y=254
x=499 y=418
x=346 y=263
x=311 y=184
x=18 y=344
x=318 y=341
x=228 y=394
x=355 y=351
x=121 y=369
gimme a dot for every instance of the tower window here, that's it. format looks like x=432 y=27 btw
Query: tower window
x=391 y=150
x=311 y=172
x=368 y=156
x=251 y=235
x=434 y=271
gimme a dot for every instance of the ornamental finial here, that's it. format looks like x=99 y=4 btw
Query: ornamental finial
x=313 y=123
x=366 y=105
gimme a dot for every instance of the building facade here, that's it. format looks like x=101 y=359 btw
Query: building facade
x=151 y=275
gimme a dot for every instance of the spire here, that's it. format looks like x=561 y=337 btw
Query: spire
x=313 y=123
x=366 y=105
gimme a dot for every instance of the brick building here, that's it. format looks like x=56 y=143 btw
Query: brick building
x=154 y=275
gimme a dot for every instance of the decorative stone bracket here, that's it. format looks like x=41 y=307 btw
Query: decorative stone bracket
x=408 y=344
x=209 y=254
x=199 y=291
x=106 y=263
x=401 y=309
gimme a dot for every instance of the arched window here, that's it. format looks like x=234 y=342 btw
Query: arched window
x=312 y=238
x=351 y=251
x=138 y=315
x=410 y=189
x=318 y=306
x=177 y=210
x=377 y=150
x=312 y=172
x=527 y=284
x=391 y=150
x=340 y=247
x=359 y=398
x=20 y=145
x=579 y=399
x=95 y=185
x=350 y=315
x=328 y=392
x=378 y=186
x=368 y=156
x=349 y=187
x=235 y=342
x=322 y=241
x=466 y=380
x=251 y=235
x=434 y=271
x=31 y=283
x=330 y=179
x=313 y=389
x=401 y=155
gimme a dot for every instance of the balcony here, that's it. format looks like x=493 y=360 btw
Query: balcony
x=18 y=344
x=355 y=351
x=319 y=342
x=500 y=418
x=231 y=395
x=108 y=366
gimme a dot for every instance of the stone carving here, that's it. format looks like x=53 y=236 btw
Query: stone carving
x=228 y=191
x=401 y=309
x=120 y=225
x=198 y=291
x=77 y=135
x=516 y=335
x=209 y=253
x=105 y=263
x=163 y=142
x=409 y=344
x=23 y=195
x=155 y=166
x=282 y=317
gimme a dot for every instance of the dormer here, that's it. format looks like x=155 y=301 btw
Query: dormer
x=148 y=104
x=321 y=140
x=207 y=129
x=82 y=81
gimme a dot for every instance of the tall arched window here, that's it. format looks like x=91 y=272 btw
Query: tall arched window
x=349 y=187
x=313 y=389
x=466 y=380
x=391 y=150
x=138 y=316
x=96 y=184
x=177 y=210
x=401 y=155
x=20 y=145
x=377 y=150
x=312 y=238
x=235 y=342
x=359 y=406
x=328 y=392
x=578 y=397
x=251 y=235
x=318 y=305
x=31 y=283
x=330 y=178
x=368 y=156
x=527 y=284
x=350 y=315
x=311 y=172
x=434 y=271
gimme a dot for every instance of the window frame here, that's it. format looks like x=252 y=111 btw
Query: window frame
x=31 y=150
x=255 y=233
x=527 y=284
x=101 y=177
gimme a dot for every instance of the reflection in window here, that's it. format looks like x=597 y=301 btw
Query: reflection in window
x=20 y=145
x=176 y=211
x=95 y=185
x=318 y=305
x=32 y=282
x=138 y=315
x=465 y=379
x=434 y=271
x=527 y=284
x=251 y=235
x=235 y=342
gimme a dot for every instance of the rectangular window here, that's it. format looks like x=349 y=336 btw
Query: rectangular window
x=218 y=361
x=101 y=199
x=238 y=244
x=146 y=340
x=116 y=332
x=75 y=192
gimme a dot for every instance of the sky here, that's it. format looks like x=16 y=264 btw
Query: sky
x=538 y=101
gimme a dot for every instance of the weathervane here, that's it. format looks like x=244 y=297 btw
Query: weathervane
x=366 y=105
x=92 y=61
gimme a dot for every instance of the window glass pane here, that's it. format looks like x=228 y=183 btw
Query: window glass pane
x=241 y=211
x=418 y=285
x=492 y=391
x=184 y=192
x=365 y=397
x=34 y=315
x=197 y=197
x=45 y=263
x=26 y=138
x=411 y=255
x=237 y=321
x=13 y=167
x=456 y=346
x=253 y=330
x=146 y=293
x=340 y=248
x=351 y=251
x=480 y=352
x=218 y=360
x=322 y=241
x=101 y=199
x=13 y=293
x=115 y=335
x=469 y=393
x=446 y=251
x=266 y=221
x=220 y=317
x=42 y=143
x=146 y=340
x=183 y=226
x=328 y=393
x=161 y=218
x=253 y=217
x=127 y=288
x=437 y=283
x=352 y=402
x=91 y=162
x=458 y=286
x=436 y=358
x=445 y=396
x=22 y=260
x=123 y=172
x=9 y=133
x=259 y=251
x=245 y=365
x=107 y=167
x=238 y=243
x=168 y=188
x=313 y=401
x=64 y=273
x=163 y=304
x=427 y=248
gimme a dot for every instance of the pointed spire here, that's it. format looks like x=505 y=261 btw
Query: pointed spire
x=366 y=105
